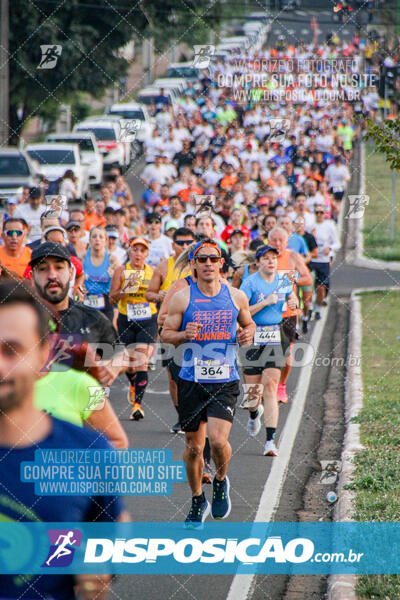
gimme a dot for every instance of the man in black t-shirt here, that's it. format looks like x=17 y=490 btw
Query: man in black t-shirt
x=80 y=325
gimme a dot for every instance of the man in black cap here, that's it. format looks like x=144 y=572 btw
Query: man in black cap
x=51 y=273
x=31 y=213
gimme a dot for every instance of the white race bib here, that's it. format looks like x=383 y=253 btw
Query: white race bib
x=210 y=370
x=139 y=311
x=95 y=301
x=267 y=334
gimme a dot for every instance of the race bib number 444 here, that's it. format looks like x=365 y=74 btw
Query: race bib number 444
x=139 y=311
x=267 y=334
x=210 y=370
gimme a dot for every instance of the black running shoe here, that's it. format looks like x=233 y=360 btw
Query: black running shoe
x=221 y=502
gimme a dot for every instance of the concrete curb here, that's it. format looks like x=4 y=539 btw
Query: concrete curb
x=359 y=259
x=342 y=587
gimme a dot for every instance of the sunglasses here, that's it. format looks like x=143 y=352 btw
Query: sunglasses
x=74 y=229
x=319 y=212
x=183 y=242
x=202 y=259
x=11 y=232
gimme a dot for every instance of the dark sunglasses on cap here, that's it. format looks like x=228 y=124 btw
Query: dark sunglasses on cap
x=202 y=258
x=184 y=242
x=11 y=232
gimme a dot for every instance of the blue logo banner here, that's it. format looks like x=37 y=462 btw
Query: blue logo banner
x=218 y=548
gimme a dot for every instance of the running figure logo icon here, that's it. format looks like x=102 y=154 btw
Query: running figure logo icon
x=202 y=56
x=50 y=56
x=61 y=552
x=129 y=129
x=357 y=204
x=97 y=397
x=278 y=129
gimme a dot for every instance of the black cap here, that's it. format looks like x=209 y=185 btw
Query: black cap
x=72 y=224
x=235 y=231
x=153 y=217
x=34 y=192
x=49 y=249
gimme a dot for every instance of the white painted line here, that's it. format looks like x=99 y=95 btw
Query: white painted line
x=269 y=502
x=151 y=391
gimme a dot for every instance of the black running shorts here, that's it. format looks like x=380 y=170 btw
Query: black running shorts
x=266 y=357
x=198 y=401
x=137 y=332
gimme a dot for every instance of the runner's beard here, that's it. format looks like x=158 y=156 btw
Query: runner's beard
x=54 y=298
x=12 y=398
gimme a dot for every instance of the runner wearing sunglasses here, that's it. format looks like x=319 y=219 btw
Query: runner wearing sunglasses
x=164 y=275
x=206 y=313
x=14 y=255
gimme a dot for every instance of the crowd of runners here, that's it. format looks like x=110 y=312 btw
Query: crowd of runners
x=230 y=245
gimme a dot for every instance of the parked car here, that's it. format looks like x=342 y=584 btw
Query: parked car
x=115 y=151
x=16 y=171
x=133 y=110
x=54 y=159
x=148 y=95
x=185 y=70
x=179 y=84
x=90 y=153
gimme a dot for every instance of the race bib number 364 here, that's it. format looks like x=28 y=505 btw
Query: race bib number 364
x=210 y=370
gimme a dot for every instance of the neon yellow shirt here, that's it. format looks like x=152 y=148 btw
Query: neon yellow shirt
x=67 y=394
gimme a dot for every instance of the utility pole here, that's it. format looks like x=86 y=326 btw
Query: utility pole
x=4 y=81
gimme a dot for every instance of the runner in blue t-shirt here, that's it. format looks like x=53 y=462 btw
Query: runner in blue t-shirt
x=268 y=294
x=203 y=318
x=25 y=323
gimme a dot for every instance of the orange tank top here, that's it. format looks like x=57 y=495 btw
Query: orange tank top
x=284 y=265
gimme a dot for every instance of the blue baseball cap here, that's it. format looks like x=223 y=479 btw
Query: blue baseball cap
x=264 y=249
x=11 y=201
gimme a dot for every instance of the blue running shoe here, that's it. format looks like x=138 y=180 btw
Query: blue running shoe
x=221 y=502
x=198 y=512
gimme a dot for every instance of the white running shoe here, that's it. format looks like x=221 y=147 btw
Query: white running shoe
x=254 y=425
x=270 y=449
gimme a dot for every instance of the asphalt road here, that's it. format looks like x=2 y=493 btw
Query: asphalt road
x=248 y=469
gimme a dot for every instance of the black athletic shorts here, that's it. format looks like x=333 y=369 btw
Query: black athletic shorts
x=289 y=328
x=135 y=332
x=322 y=270
x=337 y=195
x=266 y=357
x=198 y=401
x=172 y=367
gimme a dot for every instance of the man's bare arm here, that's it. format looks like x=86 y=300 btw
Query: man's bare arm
x=153 y=293
x=170 y=333
x=247 y=326
x=300 y=266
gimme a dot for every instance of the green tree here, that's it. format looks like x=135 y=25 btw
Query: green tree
x=90 y=33
x=386 y=136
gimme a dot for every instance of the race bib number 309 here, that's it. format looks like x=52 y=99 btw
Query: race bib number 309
x=139 y=311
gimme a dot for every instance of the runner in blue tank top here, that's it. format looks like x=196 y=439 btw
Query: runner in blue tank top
x=98 y=267
x=268 y=293
x=204 y=318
